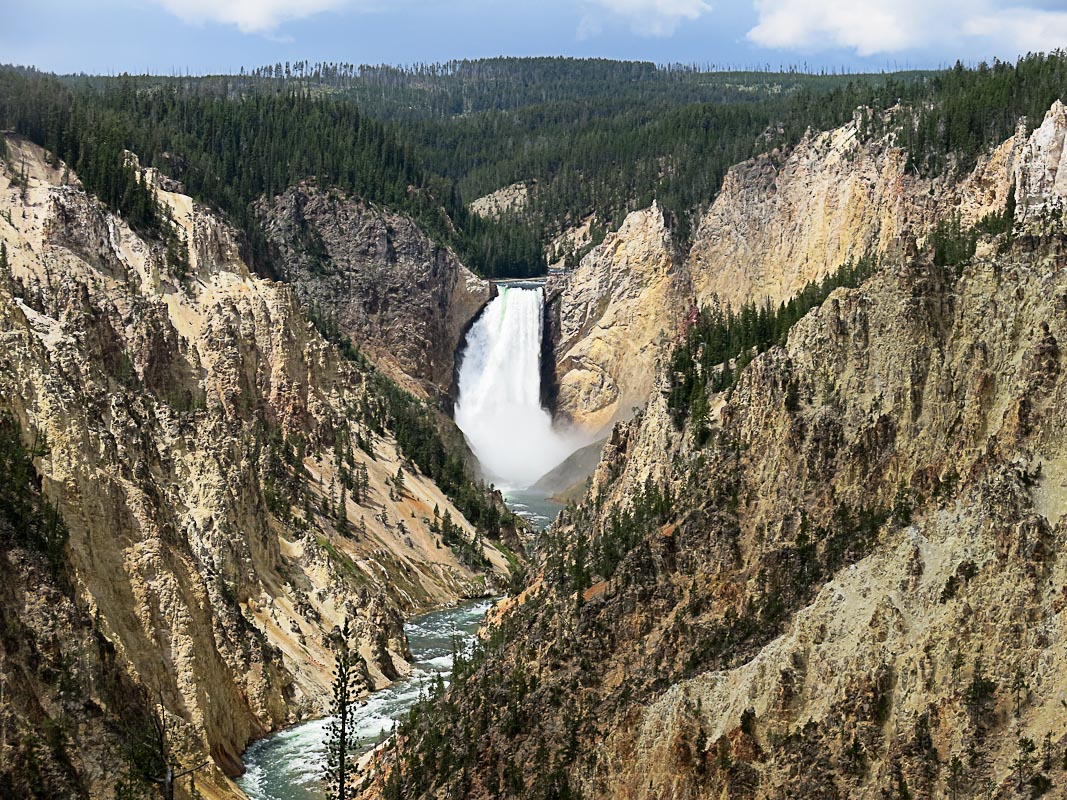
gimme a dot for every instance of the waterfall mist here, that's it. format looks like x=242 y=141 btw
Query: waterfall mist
x=499 y=405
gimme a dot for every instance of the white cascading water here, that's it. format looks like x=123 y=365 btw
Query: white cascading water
x=499 y=405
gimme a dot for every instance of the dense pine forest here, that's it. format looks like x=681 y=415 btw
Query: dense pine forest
x=229 y=153
x=589 y=137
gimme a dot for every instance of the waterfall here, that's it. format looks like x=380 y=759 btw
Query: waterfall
x=499 y=405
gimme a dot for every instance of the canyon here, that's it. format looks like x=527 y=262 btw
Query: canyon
x=839 y=577
x=851 y=586
x=229 y=482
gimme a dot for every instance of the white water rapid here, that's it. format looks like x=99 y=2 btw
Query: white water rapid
x=288 y=765
x=499 y=404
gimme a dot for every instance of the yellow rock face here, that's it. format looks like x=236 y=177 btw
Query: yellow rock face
x=616 y=309
x=176 y=411
x=779 y=222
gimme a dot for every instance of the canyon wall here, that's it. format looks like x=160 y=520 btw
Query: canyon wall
x=851 y=588
x=374 y=274
x=615 y=311
x=780 y=221
x=228 y=480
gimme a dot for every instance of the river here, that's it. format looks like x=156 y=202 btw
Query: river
x=288 y=765
x=499 y=410
x=533 y=506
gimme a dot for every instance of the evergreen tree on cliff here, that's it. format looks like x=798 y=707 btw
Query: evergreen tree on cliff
x=340 y=736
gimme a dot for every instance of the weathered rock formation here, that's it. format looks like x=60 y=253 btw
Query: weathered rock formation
x=780 y=221
x=374 y=274
x=852 y=590
x=1041 y=172
x=61 y=689
x=204 y=446
x=503 y=201
x=614 y=312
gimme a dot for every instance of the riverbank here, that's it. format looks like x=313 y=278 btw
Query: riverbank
x=288 y=765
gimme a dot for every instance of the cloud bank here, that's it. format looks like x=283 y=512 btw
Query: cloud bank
x=1025 y=30
x=866 y=27
x=872 y=27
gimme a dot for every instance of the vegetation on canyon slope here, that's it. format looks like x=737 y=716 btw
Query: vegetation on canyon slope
x=655 y=597
x=642 y=562
x=46 y=686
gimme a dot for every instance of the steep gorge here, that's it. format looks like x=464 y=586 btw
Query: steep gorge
x=853 y=589
x=228 y=479
x=851 y=581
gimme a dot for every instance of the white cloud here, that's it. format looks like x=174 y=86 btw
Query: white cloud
x=890 y=26
x=1024 y=29
x=250 y=16
x=646 y=17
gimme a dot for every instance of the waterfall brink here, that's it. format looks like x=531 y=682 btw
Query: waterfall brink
x=499 y=405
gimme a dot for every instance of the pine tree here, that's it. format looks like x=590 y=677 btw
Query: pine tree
x=956 y=777
x=342 y=515
x=341 y=741
x=1023 y=761
x=1019 y=689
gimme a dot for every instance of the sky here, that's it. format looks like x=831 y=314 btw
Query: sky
x=211 y=36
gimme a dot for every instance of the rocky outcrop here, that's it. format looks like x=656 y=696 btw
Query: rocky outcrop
x=615 y=311
x=227 y=478
x=374 y=274
x=568 y=245
x=1041 y=176
x=782 y=220
x=503 y=201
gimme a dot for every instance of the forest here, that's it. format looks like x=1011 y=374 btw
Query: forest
x=590 y=137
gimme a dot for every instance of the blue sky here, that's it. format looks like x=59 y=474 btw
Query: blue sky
x=175 y=36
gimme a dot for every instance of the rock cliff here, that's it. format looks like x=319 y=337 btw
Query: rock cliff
x=780 y=221
x=374 y=274
x=853 y=589
x=614 y=313
x=503 y=201
x=228 y=480
x=62 y=691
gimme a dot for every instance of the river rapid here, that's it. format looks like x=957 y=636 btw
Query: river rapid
x=288 y=765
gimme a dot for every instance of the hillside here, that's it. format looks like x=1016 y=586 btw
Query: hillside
x=849 y=584
x=375 y=277
x=227 y=481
